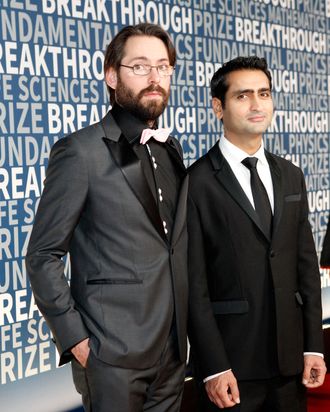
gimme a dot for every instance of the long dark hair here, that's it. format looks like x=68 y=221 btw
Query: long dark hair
x=115 y=50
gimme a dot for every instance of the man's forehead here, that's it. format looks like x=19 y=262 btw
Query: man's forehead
x=145 y=47
x=247 y=79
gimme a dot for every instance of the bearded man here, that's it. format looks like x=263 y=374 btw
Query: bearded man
x=115 y=199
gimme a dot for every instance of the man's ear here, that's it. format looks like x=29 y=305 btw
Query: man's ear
x=217 y=107
x=111 y=78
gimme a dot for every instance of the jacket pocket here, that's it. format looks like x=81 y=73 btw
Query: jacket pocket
x=114 y=281
x=225 y=307
x=293 y=198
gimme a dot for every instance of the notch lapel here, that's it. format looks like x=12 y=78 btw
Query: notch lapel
x=278 y=189
x=227 y=179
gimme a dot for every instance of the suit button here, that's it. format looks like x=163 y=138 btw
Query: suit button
x=272 y=254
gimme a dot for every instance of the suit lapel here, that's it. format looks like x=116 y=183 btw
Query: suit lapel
x=181 y=209
x=131 y=167
x=175 y=156
x=278 y=189
x=227 y=179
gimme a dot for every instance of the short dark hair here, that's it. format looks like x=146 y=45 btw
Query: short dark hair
x=115 y=50
x=219 y=84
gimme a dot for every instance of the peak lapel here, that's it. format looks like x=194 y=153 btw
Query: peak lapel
x=130 y=165
x=175 y=155
x=181 y=209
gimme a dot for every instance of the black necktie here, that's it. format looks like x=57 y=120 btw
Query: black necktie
x=260 y=197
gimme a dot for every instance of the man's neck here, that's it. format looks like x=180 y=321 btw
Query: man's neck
x=248 y=145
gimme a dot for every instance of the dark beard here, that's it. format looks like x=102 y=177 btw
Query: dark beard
x=132 y=103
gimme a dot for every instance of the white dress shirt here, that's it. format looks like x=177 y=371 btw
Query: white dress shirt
x=234 y=157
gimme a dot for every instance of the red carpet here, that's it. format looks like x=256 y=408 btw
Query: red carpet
x=319 y=398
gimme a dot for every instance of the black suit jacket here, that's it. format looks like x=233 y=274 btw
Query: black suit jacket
x=254 y=302
x=127 y=279
x=325 y=254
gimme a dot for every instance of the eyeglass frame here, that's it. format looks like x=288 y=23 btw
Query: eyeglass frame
x=150 y=68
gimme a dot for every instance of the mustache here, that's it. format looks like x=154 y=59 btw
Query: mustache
x=152 y=88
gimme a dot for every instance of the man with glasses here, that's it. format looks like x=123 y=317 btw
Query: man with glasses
x=115 y=199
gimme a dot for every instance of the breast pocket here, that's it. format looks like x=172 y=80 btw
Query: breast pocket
x=296 y=197
x=114 y=281
x=226 y=307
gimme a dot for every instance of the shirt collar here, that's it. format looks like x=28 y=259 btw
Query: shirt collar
x=235 y=154
x=130 y=125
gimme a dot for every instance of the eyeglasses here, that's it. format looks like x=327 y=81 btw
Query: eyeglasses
x=163 y=70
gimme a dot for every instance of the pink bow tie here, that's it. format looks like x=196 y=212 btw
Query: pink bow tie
x=160 y=135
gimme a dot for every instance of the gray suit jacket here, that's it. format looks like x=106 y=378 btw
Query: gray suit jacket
x=127 y=279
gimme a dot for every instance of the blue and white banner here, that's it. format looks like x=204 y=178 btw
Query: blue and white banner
x=51 y=83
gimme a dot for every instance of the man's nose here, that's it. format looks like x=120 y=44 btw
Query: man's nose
x=154 y=75
x=255 y=103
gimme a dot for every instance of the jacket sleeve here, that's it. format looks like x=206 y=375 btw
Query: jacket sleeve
x=309 y=280
x=207 y=346
x=59 y=210
x=325 y=255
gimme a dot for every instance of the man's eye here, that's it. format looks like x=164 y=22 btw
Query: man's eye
x=265 y=94
x=241 y=96
x=163 y=67
x=139 y=67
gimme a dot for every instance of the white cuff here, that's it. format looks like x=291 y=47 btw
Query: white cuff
x=314 y=353
x=215 y=375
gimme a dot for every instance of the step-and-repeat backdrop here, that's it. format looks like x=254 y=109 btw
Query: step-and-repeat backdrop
x=51 y=83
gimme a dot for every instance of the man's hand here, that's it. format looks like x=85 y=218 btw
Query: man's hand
x=314 y=371
x=223 y=390
x=81 y=352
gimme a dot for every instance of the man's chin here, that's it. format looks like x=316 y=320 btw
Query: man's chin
x=146 y=113
x=154 y=108
x=259 y=128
